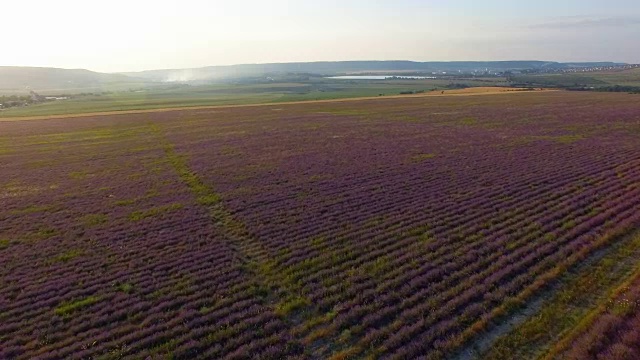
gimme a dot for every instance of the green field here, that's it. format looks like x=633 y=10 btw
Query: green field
x=231 y=94
x=287 y=89
x=629 y=77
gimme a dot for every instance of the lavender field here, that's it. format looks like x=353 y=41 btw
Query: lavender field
x=391 y=228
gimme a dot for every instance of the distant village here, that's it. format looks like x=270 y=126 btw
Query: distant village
x=549 y=70
x=26 y=100
x=584 y=69
x=533 y=71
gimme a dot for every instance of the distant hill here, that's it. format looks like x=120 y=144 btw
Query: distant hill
x=22 y=79
x=19 y=80
x=348 y=67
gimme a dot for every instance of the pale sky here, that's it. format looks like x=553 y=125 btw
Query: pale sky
x=132 y=35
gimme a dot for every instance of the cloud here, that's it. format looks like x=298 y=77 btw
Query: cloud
x=574 y=22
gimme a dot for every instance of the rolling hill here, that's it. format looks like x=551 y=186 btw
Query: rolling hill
x=348 y=67
x=17 y=79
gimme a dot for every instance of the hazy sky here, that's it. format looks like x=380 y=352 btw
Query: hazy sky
x=130 y=35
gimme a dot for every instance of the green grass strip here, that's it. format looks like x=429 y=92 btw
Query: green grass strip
x=71 y=306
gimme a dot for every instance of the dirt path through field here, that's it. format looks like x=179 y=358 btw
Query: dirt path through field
x=617 y=262
x=479 y=91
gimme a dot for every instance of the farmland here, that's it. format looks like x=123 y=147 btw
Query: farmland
x=282 y=90
x=596 y=79
x=436 y=227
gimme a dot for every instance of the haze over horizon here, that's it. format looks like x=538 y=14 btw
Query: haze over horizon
x=145 y=35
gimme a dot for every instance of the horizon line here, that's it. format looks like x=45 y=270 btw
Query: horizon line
x=321 y=61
